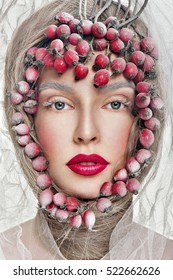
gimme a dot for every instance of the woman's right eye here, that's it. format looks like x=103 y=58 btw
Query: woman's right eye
x=57 y=105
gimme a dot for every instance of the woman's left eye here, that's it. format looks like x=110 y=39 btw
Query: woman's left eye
x=57 y=105
x=115 y=105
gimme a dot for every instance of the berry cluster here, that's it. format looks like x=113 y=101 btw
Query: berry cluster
x=70 y=44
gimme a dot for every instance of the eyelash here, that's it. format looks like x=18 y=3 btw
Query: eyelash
x=52 y=104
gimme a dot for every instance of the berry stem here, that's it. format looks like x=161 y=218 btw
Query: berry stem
x=108 y=3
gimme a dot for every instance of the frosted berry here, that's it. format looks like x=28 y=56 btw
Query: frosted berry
x=63 y=32
x=31 y=74
x=61 y=215
x=60 y=199
x=80 y=71
x=130 y=71
x=99 y=29
x=145 y=113
x=104 y=205
x=50 y=31
x=121 y=175
x=142 y=100
x=99 y=44
x=31 y=52
x=23 y=140
x=21 y=129
x=147 y=44
x=51 y=208
x=86 y=26
x=44 y=181
x=76 y=221
x=156 y=103
x=74 y=39
x=143 y=156
x=143 y=87
x=17 y=118
x=106 y=189
x=101 y=78
x=83 y=48
x=73 y=24
x=30 y=106
x=57 y=45
x=60 y=65
x=101 y=62
x=72 y=204
x=71 y=57
x=89 y=219
x=40 y=53
x=133 y=185
x=15 y=97
x=148 y=64
x=48 y=60
x=126 y=34
x=110 y=21
x=152 y=124
x=135 y=46
x=32 y=150
x=45 y=198
x=23 y=87
x=117 y=46
x=132 y=165
x=40 y=163
x=112 y=34
x=154 y=53
x=137 y=57
x=118 y=65
x=64 y=17
x=139 y=77
x=146 y=138
x=119 y=188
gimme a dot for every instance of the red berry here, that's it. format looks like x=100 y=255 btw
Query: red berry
x=72 y=204
x=133 y=185
x=31 y=52
x=86 y=26
x=143 y=87
x=61 y=215
x=15 y=97
x=24 y=140
x=156 y=103
x=146 y=138
x=147 y=44
x=48 y=60
x=31 y=74
x=89 y=219
x=22 y=129
x=73 y=24
x=101 y=62
x=44 y=181
x=80 y=71
x=101 y=78
x=137 y=57
x=104 y=205
x=142 y=100
x=32 y=150
x=145 y=113
x=119 y=188
x=99 y=29
x=139 y=77
x=57 y=45
x=126 y=34
x=64 y=17
x=152 y=124
x=130 y=71
x=83 y=48
x=30 y=106
x=60 y=199
x=60 y=65
x=118 y=65
x=74 y=39
x=17 y=118
x=99 y=44
x=41 y=53
x=143 y=156
x=121 y=175
x=132 y=165
x=76 y=221
x=71 y=57
x=63 y=31
x=40 y=163
x=112 y=34
x=51 y=31
x=45 y=198
x=148 y=64
x=135 y=46
x=110 y=20
x=106 y=189
x=117 y=46
x=23 y=87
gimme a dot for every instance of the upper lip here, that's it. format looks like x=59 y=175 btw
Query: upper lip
x=87 y=158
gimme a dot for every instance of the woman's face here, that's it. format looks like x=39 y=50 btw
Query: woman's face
x=83 y=130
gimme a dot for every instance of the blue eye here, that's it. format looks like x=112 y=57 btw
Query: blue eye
x=59 y=105
x=116 y=105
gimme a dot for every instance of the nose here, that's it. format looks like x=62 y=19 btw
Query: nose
x=86 y=131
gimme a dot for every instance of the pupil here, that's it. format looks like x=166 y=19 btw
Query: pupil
x=116 y=104
x=59 y=105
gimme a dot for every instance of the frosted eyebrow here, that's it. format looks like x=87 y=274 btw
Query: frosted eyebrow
x=56 y=86
x=118 y=85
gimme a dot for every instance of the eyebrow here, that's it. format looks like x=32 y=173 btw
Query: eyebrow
x=118 y=85
x=56 y=86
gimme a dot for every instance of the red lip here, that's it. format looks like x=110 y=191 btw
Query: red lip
x=94 y=164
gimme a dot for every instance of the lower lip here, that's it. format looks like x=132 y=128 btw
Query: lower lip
x=87 y=170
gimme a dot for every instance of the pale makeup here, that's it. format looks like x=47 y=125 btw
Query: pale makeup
x=75 y=118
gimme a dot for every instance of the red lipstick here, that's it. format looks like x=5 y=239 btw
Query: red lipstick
x=87 y=165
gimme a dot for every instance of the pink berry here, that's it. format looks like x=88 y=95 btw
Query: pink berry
x=117 y=46
x=126 y=34
x=146 y=138
x=156 y=103
x=104 y=205
x=143 y=87
x=130 y=71
x=48 y=60
x=80 y=71
x=119 y=188
x=31 y=52
x=101 y=78
x=30 y=106
x=74 y=39
x=99 y=44
x=15 y=97
x=22 y=129
x=64 y=17
x=133 y=185
x=147 y=44
x=17 y=118
x=135 y=46
x=112 y=34
x=121 y=175
x=45 y=198
x=61 y=215
x=24 y=140
x=74 y=24
x=118 y=65
x=142 y=100
x=132 y=165
x=40 y=163
x=139 y=77
x=57 y=45
x=63 y=31
x=152 y=124
x=31 y=74
x=71 y=57
x=41 y=53
x=99 y=29
x=59 y=199
x=89 y=219
x=83 y=48
x=148 y=64
x=110 y=21
x=106 y=189
x=143 y=155
x=154 y=53
x=137 y=57
x=44 y=181
x=145 y=113
x=23 y=87
x=86 y=26
x=51 y=208
x=60 y=65
x=101 y=62
x=72 y=204
x=32 y=150
x=51 y=31
x=76 y=221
